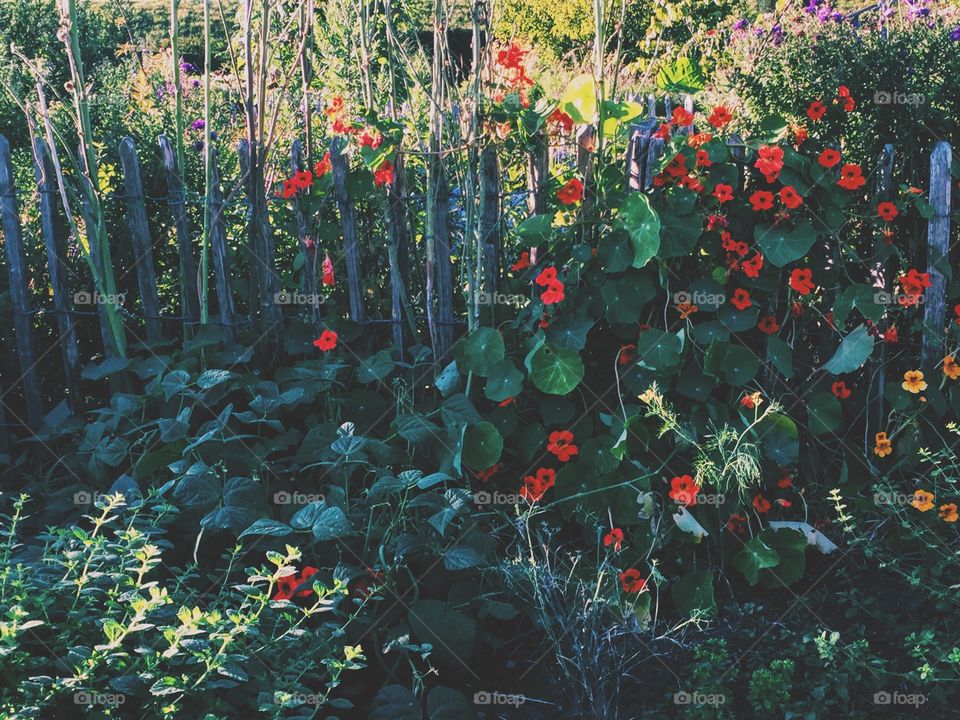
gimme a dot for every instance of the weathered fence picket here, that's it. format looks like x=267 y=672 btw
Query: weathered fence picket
x=176 y=200
x=140 y=239
x=19 y=290
x=55 y=243
x=221 y=260
x=308 y=247
x=348 y=226
x=490 y=217
x=938 y=257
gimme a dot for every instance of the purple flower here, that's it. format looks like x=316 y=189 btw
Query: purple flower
x=187 y=68
x=198 y=124
x=198 y=145
x=955 y=35
x=741 y=24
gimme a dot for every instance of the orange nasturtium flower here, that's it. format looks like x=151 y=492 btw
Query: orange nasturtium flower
x=884 y=446
x=948 y=512
x=950 y=367
x=913 y=381
x=922 y=500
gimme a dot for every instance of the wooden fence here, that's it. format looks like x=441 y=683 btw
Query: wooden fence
x=644 y=151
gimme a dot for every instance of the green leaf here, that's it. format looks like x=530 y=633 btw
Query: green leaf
x=535 y=230
x=415 y=428
x=853 y=352
x=740 y=365
x=556 y=370
x=791 y=547
x=694 y=591
x=755 y=556
x=505 y=381
x=782 y=246
x=579 y=100
x=265 y=526
x=376 y=367
x=781 y=442
x=683 y=75
x=445 y=703
x=643 y=225
x=824 y=413
x=658 y=350
x=863 y=298
x=480 y=351
x=395 y=702
x=462 y=558
x=330 y=524
x=625 y=298
x=482 y=446
x=452 y=633
x=781 y=355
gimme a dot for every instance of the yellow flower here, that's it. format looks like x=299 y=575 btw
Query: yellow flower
x=352 y=651
x=950 y=367
x=922 y=500
x=884 y=445
x=948 y=512
x=913 y=381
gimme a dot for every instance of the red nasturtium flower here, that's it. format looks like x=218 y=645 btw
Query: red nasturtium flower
x=723 y=193
x=761 y=200
x=843 y=96
x=785 y=480
x=384 y=174
x=703 y=159
x=626 y=354
x=816 y=110
x=288 y=584
x=740 y=299
x=523 y=263
x=829 y=158
x=851 y=177
x=561 y=120
x=682 y=118
x=554 y=288
x=768 y=325
x=485 y=475
x=720 y=116
x=560 y=443
x=840 y=390
x=534 y=486
x=737 y=524
x=761 y=504
x=327 y=269
x=801 y=280
x=631 y=581
x=614 y=539
x=790 y=197
x=890 y=335
x=887 y=211
x=324 y=166
x=571 y=193
x=371 y=137
x=751 y=268
x=326 y=341
x=684 y=490
x=769 y=162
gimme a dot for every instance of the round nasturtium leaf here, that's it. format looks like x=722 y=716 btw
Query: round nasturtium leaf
x=480 y=351
x=658 y=350
x=824 y=413
x=503 y=382
x=482 y=446
x=556 y=370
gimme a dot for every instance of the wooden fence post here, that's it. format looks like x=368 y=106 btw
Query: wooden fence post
x=538 y=168
x=19 y=290
x=140 y=239
x=57 y=263
x=308 y=246
x=263 y=267
x=221 y=262
x=877 y=386
x=938 y=256
x=176 y=200
x=399 y=238
x=348 y=225
x=441 y=225
x=4 y=440
x=490 y=217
